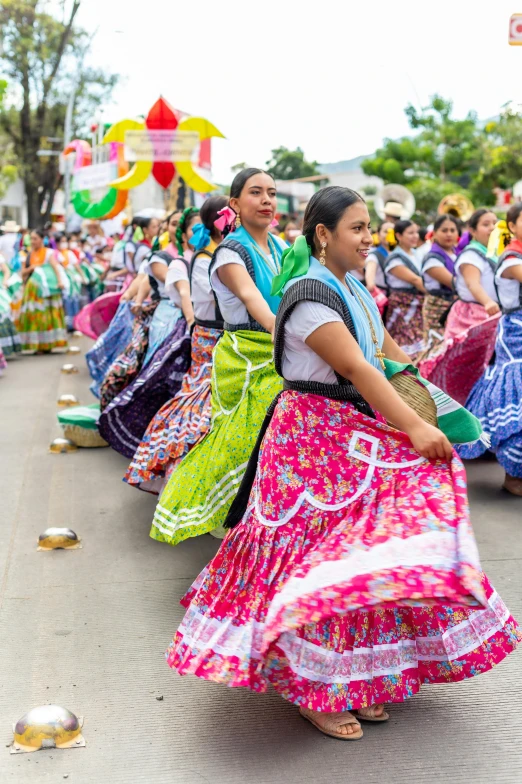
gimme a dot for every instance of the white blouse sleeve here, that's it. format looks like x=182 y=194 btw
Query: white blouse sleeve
x=141 y=252
x=470 y=257
x=395 y=263
x=309 y=316
x=509 y=261
x=225 y=256
x=176 y=272
x=432 y=263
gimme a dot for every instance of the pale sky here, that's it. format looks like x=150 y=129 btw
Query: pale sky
x=330 y=76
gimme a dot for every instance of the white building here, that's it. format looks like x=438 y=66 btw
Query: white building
x=14 y=205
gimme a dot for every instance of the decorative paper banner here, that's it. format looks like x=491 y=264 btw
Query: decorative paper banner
x=97 y=176
x=515 y=30
x=164 y=146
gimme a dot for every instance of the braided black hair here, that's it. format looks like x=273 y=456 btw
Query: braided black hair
x=187 y=213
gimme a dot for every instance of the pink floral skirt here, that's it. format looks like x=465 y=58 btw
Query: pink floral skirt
x=353 y=577
x=469 y=343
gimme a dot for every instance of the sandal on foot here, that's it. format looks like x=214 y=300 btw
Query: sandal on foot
x=332 y=723
x=513 y=485
x=368 y=714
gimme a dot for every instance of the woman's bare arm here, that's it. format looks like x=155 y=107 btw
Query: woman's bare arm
x=371 y=269
x=133 y=288
x=441 y=275
x=472 y=278
x=6 y=272
x=335 y=345
x=513 y=273
x=403 y=273
x=183 y=287
x=141 y=296
x=159 y=271
x=55 y=264
x=236 y=278
x=393 y=351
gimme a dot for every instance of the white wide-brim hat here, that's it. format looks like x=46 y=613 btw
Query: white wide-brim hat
x=10 y=227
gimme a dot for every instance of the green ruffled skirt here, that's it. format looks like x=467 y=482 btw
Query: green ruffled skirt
x=199 y=493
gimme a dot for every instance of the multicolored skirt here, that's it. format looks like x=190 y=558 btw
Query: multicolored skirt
x=124 y=421
x=42 y=319
x=95 y=319
x=93 y=274
x=72 y=305
x=434 y=311
x=10 y=342
x=165 y=318
x=469 y=342
x=181 y=423
x=128 y=364
x=353 y=578
x=199 y=492
x=496 y=399
x=109 y=345
x=404 y=321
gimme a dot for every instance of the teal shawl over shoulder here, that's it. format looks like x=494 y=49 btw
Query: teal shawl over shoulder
x=298 y=264
x=264 y=275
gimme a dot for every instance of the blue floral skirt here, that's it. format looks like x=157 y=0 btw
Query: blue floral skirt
x=496 y=399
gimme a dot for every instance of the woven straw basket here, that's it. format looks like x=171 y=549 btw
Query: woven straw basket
x=82 y=436
x=416 y=396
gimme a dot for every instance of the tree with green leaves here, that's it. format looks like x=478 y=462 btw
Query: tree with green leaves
x=43 y=58
x=445 y=156
x=8 y=170
x=445 y=148
x=288 y=164
x=502 y=163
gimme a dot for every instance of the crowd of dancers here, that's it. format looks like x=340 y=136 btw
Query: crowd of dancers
x=255 y=389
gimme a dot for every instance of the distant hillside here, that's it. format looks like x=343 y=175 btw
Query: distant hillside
x=354 y=164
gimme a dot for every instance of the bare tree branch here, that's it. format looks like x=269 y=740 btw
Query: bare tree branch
x=48 y=82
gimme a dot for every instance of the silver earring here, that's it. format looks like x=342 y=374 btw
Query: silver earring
x=322 y=255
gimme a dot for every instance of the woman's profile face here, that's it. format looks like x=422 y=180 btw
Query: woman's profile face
x=152 y=229
x=173 y=225
x=516 y=228
x=189 y=229
x=484 y=228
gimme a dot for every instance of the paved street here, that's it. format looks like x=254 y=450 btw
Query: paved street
x=87 y=629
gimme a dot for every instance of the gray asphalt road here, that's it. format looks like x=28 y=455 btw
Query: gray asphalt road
x=88 y=629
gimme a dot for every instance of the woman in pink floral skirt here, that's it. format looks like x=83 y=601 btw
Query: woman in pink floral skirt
x=350 y=576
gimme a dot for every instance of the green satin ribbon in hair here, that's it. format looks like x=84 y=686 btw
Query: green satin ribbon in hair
x=295 y=262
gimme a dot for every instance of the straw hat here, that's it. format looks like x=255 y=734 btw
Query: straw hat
x=10 y=227
x=393 y=209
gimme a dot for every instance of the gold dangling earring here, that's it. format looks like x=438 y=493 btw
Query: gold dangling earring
x=238 y=221
x=322 y=255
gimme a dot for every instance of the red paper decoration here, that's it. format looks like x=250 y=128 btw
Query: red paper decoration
x=162 y=117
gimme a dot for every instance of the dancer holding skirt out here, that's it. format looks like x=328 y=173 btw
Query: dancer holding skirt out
x=469 y=334
x=200 y=490
x=406 y=290
x=183 y=421
x=496 y=398
x=438 y=268
x=350 y=576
